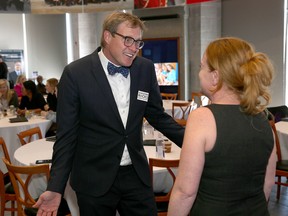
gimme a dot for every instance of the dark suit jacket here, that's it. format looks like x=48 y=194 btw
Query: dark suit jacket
x=90 y=133
x=3 y=70
x=13 y=77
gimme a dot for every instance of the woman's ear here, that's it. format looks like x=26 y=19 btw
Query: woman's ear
x=215 y=77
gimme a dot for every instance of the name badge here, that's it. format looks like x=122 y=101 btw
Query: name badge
x=143 y=96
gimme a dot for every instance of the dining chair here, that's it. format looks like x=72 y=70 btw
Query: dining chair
x=198 y=98
x=169 y=96
x=7 y=193
x=184 y=108
x=279 y=112
x=21 y=177
x=162 y=199
x=28 y=135
x=282 y=165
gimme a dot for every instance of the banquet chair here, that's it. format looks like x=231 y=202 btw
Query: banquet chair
x=185 y=108
x=197 y=97
x=282 y=165
x=28 y=135
x=169 y=96
x=162 y=199
x=279 y=112
x=21 y=177
x=6 y=189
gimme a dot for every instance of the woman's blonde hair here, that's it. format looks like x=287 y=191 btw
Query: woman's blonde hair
x=18 y=80
x=9 y=93
x=244 y=71
x=53 y=82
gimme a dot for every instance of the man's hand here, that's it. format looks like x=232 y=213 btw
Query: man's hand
x=48 y=203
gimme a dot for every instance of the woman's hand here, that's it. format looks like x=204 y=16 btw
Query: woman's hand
x=46 y=107
x=44 y=113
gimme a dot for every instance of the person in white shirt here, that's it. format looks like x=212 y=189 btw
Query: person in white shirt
x=102 y=100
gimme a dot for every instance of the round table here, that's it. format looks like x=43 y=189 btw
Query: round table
x=43 y=149
x=282 y=130
x=10 y=130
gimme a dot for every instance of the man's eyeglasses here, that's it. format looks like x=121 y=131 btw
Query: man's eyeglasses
x=129 y=41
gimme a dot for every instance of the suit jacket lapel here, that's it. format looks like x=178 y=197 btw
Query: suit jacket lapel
x=102 y=81
x=134 y=87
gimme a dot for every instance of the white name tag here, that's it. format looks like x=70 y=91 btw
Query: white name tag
x=143 y=96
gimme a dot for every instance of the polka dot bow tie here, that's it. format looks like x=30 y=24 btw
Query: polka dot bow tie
x=112 y=69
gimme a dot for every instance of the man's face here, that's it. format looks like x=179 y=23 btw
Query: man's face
x=17 y=67
x=115 y=49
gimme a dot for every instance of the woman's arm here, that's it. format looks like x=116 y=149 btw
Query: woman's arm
x=270 y=173
x=14 y=99
x=200 y=136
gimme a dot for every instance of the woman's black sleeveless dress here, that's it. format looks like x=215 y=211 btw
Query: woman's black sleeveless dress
x=234 y=171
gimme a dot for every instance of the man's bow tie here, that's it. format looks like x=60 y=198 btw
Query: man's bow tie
x=112 y=69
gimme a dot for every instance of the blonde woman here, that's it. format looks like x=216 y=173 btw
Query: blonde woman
x=8 y=97
x=228 y=158
x=19 y=84
x=51 y=85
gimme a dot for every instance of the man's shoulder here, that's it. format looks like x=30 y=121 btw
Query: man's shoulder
x=85 y=61
x=11 y=73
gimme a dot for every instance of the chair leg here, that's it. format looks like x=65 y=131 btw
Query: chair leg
x=2 y=207
x=13 y=207
x=278 y=188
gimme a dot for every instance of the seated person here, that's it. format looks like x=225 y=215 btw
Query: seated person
x=31 y=100
x=8 y=96
x=51 y=85
x=19 y=84
x=40 y=86
x=50 y=115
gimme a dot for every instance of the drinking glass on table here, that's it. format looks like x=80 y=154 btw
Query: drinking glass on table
x=160 y=153
x=148 y=131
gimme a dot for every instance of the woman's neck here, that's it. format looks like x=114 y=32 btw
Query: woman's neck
x=225 y=97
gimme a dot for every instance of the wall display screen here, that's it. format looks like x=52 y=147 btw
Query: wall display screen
x=167 y=73
x=164 y=54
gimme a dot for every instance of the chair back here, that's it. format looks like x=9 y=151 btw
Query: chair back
x=6 y=194
x=279 y=112
x=185 y=108
x=30 y=134
x=4 y=149
x=21 y=177
x=169 y=96
x=163 y=198
x=6 y=190
x=277 y=142
x=198 y=97
x=282 y=165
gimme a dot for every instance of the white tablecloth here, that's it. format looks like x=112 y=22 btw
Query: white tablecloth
x=282 y=130
x=42 y=149
x=9 y=133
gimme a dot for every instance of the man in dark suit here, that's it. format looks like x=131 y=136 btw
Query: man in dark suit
x=100 y=116
x=14 y=74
